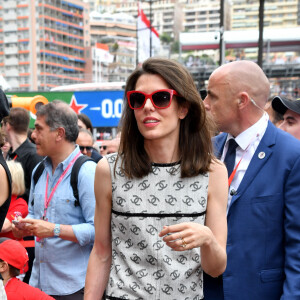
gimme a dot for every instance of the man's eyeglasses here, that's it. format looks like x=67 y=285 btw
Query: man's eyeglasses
x=87 y=148
x=159 y=99
x=103 y=147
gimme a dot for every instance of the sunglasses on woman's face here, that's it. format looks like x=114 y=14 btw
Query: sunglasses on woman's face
x=159 y=99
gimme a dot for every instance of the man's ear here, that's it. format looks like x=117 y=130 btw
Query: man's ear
x=243 y=100
x=61 y=132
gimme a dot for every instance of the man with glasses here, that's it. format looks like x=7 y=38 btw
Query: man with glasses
x=85 y=142
x=109 y=146
x=263 y=208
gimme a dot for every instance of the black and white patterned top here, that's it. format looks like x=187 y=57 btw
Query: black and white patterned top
x=143 y=267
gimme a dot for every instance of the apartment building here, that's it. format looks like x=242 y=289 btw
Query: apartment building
x=118 y=32
x=175 y=16
x=42 y=43
x=166 y=16
x=204 y=16
x=277 y=14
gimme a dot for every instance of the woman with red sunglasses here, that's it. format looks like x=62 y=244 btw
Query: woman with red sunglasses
x=160 y=216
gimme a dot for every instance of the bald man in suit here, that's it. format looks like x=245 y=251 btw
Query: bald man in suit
x=263 y=244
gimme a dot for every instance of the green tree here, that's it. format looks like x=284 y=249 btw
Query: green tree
x=175 y=47
x=166 y=38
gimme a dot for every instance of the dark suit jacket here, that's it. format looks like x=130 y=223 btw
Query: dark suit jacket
x=263 y=245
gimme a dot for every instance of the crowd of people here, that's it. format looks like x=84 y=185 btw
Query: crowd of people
x=169 y=209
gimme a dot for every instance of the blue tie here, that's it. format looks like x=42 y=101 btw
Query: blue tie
x=230 y=156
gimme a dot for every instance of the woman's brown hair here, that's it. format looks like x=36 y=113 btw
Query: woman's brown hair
x=195 y=129
x=2 y=139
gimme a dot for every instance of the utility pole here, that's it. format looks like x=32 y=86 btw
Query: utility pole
x=150 y=20
x=137 y=44
x=261 y=33
x=221 y=42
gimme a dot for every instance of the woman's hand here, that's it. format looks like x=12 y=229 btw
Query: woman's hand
x=186 y=236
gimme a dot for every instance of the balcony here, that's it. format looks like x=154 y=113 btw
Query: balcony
x=14 y=83
x=11 y=62
x=8 y=4
x=12 y=72
x=10 y=16
x=12 y=38
x=11 y=50
x=10 y=27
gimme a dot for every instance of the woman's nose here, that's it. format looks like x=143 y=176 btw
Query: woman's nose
x=148 y=104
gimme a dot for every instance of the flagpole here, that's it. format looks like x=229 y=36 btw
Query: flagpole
x=150 y=19
x=137 y=38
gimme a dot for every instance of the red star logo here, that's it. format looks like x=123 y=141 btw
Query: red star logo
x=75 y=106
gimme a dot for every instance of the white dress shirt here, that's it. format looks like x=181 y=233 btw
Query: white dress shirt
x=248 y=142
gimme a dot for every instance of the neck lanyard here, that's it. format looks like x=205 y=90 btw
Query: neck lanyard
x=236 y=167
x=234 y=171
x=47 y=200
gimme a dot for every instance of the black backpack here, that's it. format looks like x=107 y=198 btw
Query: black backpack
x=74 y=175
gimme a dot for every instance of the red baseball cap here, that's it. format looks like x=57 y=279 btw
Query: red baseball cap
x=14 y=254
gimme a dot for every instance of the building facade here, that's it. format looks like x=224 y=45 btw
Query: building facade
x=118 y=32
x=204 y=16
x=42 y=43
x=277 y=14
x=166 y=16
x=174 y=16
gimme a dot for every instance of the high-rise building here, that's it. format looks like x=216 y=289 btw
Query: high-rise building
x=166 y=16
x=42 y=43
x=277 y=14
x=204 y=16
x=118 y=32
x=174 y=16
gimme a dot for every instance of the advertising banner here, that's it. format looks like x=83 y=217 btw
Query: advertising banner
x=104 y=108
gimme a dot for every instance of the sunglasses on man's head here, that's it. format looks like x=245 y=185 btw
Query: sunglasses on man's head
x=159 y=99
x=87 y=148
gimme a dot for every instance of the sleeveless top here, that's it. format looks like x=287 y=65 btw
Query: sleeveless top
x=5 y=205
x=143 y=266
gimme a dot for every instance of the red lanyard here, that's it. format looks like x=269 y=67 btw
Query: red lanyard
x=233 y=172
x=15 y=157
x=47 y=200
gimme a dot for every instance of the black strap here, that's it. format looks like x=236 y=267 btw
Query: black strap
x=74 y=175
x=38 y=172
x=36 y=176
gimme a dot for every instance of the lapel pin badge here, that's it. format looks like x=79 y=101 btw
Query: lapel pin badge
x=261 y=155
